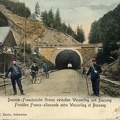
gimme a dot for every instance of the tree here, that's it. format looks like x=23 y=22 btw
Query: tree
x=57 y=20
x=69 y=30
x=17 y=8
x=37 y=9
x=50 y=18
x=64 y=27
x=44 y=17
x=3 y=20
x=80 y=37
x=94 y=33
x=54 y=21
x=106 y=28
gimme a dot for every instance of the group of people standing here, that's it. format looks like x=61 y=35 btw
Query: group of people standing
x=94 y=70
x=16 y=75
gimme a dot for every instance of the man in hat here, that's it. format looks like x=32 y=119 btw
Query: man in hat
x=94 y=70
x=15 y=77
x=34 y=71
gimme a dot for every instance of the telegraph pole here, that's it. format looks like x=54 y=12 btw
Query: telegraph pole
x=24 y=41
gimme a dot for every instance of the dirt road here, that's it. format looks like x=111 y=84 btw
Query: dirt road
x=61 y=83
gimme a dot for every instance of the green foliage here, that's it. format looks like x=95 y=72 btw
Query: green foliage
x=107 y=55
x=29 y=57
x=54 y=21
x=50 y=18
x=3 y=20
x=106 y=31
x=69 y=30
x=106 y=28
x=110 y=89
x=102 y=55
x=94 y=33
x=57 y=20
x=64 y=28
x=27 y=48
x=17 y=8
x=44 y=17
x=37 y=9
x=80 y=35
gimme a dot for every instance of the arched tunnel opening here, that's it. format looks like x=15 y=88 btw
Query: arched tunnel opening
x=67 y=59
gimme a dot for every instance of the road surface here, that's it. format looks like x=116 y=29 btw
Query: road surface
x=65 y=82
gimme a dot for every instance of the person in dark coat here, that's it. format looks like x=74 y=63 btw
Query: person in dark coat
x=46 y=69
x=34 y=71
x=94 y=71
x=15 y=77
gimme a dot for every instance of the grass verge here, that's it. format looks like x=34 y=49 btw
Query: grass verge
x=110 y=89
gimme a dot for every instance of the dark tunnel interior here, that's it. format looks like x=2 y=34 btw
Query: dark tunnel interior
x=66 y=58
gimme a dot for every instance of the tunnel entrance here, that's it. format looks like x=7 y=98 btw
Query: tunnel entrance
x=67 y=59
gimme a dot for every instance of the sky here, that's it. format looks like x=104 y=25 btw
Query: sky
x=76 y=12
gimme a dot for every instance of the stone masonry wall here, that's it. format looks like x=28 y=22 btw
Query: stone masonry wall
x=47 y=52
x=87 y=53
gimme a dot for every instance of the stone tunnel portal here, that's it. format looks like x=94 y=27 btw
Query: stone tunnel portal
x=67 y=58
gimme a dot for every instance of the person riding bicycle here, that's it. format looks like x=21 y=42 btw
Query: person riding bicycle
x=34 y=71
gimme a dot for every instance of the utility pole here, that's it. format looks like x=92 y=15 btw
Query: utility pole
x=24 y=41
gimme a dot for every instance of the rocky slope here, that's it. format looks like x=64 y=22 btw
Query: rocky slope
x=30 y=30
x=113 y=70
x=23 y=28
x=54 y=37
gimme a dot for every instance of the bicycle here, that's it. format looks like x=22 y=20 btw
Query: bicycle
x=37 y=79
x=25 y=72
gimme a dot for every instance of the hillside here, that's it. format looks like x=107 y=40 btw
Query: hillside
x=33 y=30
x=22 y=27
x=113 y=70
x=53 y=37
x=30 y=30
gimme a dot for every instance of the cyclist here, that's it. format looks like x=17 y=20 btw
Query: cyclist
x=34 y=71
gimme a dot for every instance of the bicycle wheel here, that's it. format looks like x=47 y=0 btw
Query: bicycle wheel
x=25 y=73
x=42 y=75
x=28 y=79
x=38 y=79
